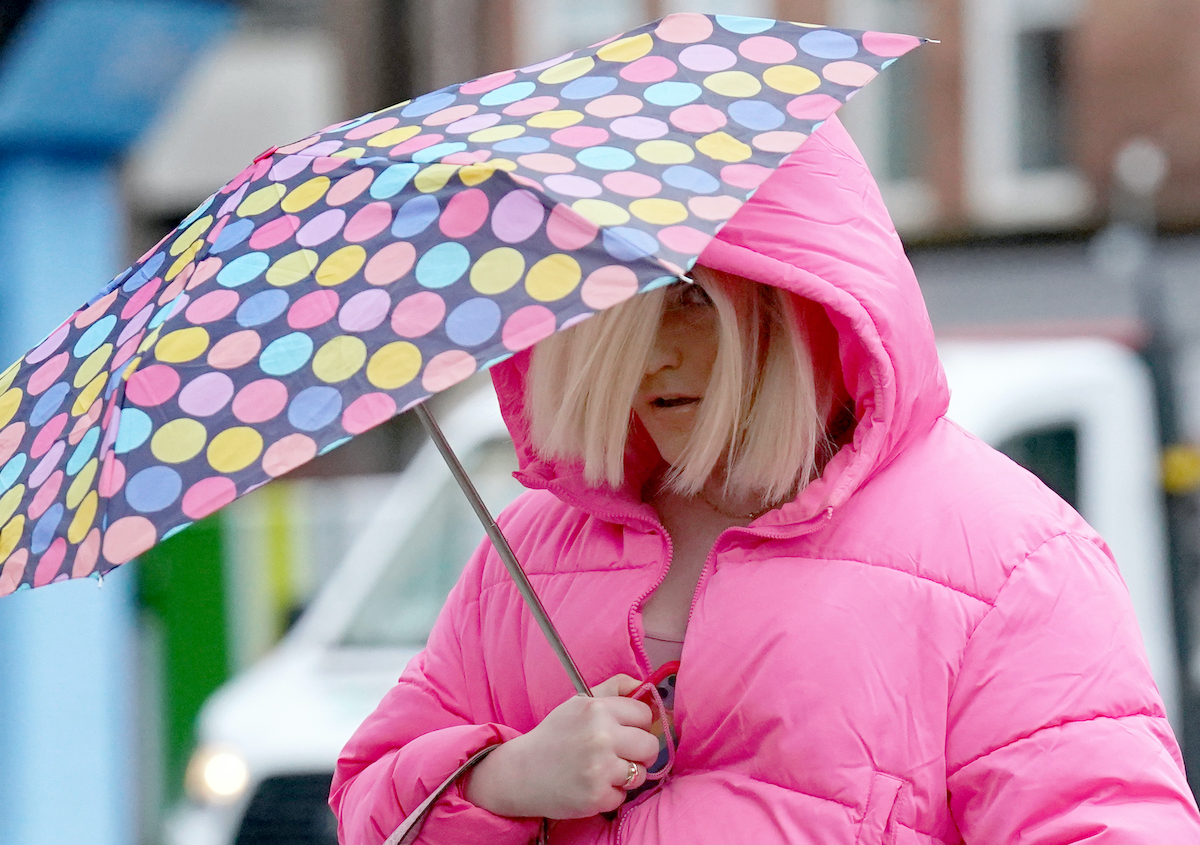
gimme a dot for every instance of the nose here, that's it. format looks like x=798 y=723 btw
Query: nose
x=664 y=355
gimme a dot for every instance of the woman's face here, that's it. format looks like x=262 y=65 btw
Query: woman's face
x=678 y=369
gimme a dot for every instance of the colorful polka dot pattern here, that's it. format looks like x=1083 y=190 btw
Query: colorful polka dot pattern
x=345 y=277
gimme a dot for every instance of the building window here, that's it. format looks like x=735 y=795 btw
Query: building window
x=1041 y=100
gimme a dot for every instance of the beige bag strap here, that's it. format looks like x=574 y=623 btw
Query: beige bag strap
x=410 y=828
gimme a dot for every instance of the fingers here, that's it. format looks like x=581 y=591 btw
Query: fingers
x=635 y=744
x=616 y=685
x=633 y=775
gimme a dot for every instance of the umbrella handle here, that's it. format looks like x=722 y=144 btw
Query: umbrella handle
x=500 y=543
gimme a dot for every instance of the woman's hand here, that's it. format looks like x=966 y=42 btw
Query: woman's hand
x=575 y=763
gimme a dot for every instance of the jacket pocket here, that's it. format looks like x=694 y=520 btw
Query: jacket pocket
x=880 y=801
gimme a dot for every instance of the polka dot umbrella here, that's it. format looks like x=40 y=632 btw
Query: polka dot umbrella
x=345 y=277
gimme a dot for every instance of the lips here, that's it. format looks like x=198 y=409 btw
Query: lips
x=673 y=401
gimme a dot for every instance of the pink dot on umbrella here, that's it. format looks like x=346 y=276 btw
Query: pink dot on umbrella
x=714 y=208
x=372 y=128
x=684 y=239
x=275 y=232
x=287 y=453
x=205 y=270
x=46 y=494
x=212 y=306
x=289 y=167
x=474 y=123
x=82 y=425
x=390 y=263
x=50 y=432
x=606 y=286
x=48 y=373
x=260 y=401
x=50 y=345
x=580 y=136
x=10 y=439
x=487 y=83
x=684 y=28
x=125 y=352
x=698 y=117
x=419 y=314
x=889 y=44
x=349 y=187
x=321 y=228
x=127 y=538
x=86 y=555
x=321 y=166
x=416 y=144
x=365 y=310
x=640 y=128
x=571 y=185
x=767 y=50
x=368 y=411
x=140 y=297
x=533 y=105
x=208 y=496
x=632 y=184
x=206 y=394
x=447 y=369
x=151 y=386
x=112 y=476
x=851 y=74
x=450 y=115
x=569 y=230
x=779 y=141
x=649 y=69
x=614 y=105
x=13 y=571
x=313 y=309
x=135 y=325
x=368 y=222
x=51 y=560
x=707 y=58
x=745 y=176
x=95 y=311
x=464 y=214
x=812 y=106
x=547 y=162
x=517 y=216
x=526 y=326
x=235 y=350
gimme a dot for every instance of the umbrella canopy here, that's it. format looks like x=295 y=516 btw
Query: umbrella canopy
x=345 y=277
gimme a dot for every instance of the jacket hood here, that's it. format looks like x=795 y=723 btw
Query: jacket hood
x=818 y=228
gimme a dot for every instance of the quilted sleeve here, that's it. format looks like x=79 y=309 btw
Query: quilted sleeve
x=420 y=733
x=1056 y=731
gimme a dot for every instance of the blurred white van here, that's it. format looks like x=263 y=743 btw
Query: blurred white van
x=1078 y=412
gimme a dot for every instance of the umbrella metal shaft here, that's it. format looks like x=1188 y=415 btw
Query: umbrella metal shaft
x=500 y=543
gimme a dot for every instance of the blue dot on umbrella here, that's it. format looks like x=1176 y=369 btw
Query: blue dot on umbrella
x=756 y=114
x=46 y=528
x=506 y=94
x=232 y=235
x=827 y=44
x=133 y=430
x=528 y=144
x=48 y=405
x=437 y=151
x=314 y=408
x=606 y=158
x=443 y=265
x=84 y=451
x=392 y=181
x=626 y=244
x=672 y=93
x=95 y=335
x=286 y=354
x=473 y=322
x=415 y=216
x=688 y=178
x=243 y=269
x=587 y=87
x=11 y=472
x=161 y=315
x=429 y=103
x=146 y=273
x=153 y=489
x=744 y=26
x=261 y=308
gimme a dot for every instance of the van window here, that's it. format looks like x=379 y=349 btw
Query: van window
x=1052 y=454
x=425 y=564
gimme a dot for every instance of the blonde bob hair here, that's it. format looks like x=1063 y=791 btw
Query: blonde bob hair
x=761 y=424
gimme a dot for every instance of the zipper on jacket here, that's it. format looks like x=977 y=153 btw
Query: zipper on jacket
x=640 y=642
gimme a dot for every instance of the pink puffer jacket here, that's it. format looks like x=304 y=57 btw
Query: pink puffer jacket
x=926 y=646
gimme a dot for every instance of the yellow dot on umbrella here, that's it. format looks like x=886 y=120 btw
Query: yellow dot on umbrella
x=496 y=133
x=665 y=152
x=92 y=365
x=179 y=440
x=394 y=365
x=8 y=376
x=188 y=236
x=476 y=174
x=183 y=345
x=341 y=265
x=601 y=212
x=721 y=146
x=9 y=502
x=10 y=401
x=627 y=49
x=555 y=119
x=567 y=71
x=264 y=199
x=497 y=270
x=791 y=79
x=82 y=483
x=10 y=535
x=293 y=267
x=234 y=449
x=81 y=523
x=183 y=260
x=339 y=358
x=394 y=136
x=304 y=195
x=89 y=395
x=349 y=152
x=660 y=212
x=553 y=277
x=434 y=177
x=733 y=83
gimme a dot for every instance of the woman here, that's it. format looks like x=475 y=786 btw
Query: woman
x=890 y=632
